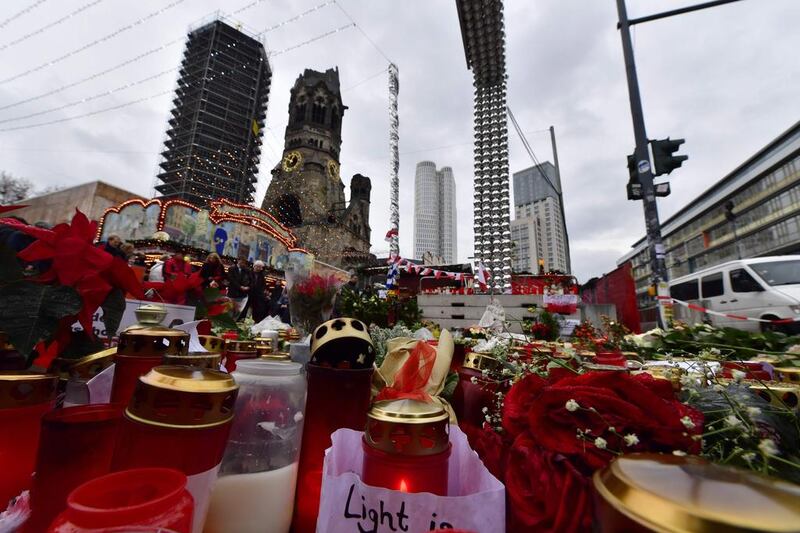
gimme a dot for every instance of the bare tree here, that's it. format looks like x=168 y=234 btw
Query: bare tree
x=13 y=190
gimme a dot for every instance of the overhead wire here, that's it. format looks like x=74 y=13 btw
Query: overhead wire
x=50 y=25
x=313 y=39
x=374 y=44
x=100 y=40
x=20 y=13
x=297 y=17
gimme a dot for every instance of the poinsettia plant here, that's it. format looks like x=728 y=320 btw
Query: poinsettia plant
x=58 y=279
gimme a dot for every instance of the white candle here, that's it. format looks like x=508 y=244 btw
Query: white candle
x=259 y=503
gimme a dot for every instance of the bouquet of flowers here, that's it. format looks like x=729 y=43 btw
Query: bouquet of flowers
x=311 y=299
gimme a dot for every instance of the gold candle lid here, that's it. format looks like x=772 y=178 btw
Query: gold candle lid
x=782 y=394
x=183 y=396
x=240 y=346
x=148 y=338
x=408 y=427
x=23 y=389
x=681 y=494
x=277 y=356
x=789 y=374
x=212 y=343
x=480 y=361
x=201 y=360
x=84 y=367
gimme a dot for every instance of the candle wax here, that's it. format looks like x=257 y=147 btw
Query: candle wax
x=258 y=503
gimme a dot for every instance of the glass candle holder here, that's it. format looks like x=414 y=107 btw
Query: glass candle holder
x=143 y=499
x=256 y=485
x=179 y=417
x=337 y=398
x=474 y=390
x=233 y=357
x=407 y=447
x=141 y=348
x=610 y=359
x=24 y=399
x=75 y=445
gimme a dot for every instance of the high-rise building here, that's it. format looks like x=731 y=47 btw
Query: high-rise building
x=537 y=193
x=525 y=253
x=435 y=228
x=214 y=137
x=306 y=192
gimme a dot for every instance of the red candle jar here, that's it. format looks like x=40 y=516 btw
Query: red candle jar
x=141 y=348
x=144 y=499
x=407 y=447
x=75 y=446
x=24 y=398
x=610 y=359
x=337 y=398
x=179 y=417
x=236 y=350
x=474 y=391
x=751 y=369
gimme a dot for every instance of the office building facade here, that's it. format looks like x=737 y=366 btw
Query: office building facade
x=213 y=141
x=764 y=193
x=435 y=219
x=537 y=193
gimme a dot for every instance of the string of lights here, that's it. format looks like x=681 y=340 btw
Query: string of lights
x=84 y=115
x=93 y=76
x=107 y=37
x=90 y=98
x=298 y=17
x=18 y=14
x=244 y=8
x=313 y=39
x=50 y=25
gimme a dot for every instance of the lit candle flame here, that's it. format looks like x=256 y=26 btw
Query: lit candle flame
x=403 y=486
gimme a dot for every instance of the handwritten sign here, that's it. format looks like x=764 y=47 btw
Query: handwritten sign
x=176 y=315
x=349 y=506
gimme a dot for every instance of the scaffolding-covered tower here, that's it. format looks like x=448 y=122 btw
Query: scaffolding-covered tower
x=483 y=34
x=214 y=137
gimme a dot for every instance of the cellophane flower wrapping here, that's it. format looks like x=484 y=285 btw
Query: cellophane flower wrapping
x=311 y=298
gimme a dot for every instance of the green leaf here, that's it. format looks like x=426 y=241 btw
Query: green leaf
x=225 y=320
x=10 y=269
x=113 y=308
x=29 y=312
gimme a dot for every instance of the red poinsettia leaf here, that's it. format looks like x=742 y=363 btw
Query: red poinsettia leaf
x=82 y=228
x=122 y=276
x=93 y=291
x=37 y=251
x=39 y=233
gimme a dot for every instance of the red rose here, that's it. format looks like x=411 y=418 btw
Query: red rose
x=490 y=446
x=545 y=492
x=632 y=405
x=518 y=402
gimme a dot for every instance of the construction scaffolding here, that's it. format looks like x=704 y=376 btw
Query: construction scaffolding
x=484 y=46
x=213 y=141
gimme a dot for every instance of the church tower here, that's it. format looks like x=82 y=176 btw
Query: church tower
x=306 y=192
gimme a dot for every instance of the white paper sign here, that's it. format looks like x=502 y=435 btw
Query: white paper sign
x=176 y=314
x=349 y=506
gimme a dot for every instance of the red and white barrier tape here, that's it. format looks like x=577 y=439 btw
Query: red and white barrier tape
x=702 y=309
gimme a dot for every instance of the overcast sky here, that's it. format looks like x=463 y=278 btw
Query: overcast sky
x=725 y=79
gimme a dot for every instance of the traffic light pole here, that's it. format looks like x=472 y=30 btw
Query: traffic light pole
x=658 y=266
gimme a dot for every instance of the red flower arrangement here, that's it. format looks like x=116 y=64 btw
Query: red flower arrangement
x=311 y=300
x=556 y=432
x=69 y=261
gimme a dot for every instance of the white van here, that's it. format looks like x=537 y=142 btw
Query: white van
x=763 y=287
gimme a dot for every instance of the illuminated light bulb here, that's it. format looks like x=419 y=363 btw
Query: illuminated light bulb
x=403 y=486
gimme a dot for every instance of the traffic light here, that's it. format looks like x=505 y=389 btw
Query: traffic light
x=663 y=159
x=634 y=187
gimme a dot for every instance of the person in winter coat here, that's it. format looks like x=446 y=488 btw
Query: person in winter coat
x=213 y=272
x=113 y=245
x=239 y=280
x=258 y=293
x=177 y=266
x=157 y=270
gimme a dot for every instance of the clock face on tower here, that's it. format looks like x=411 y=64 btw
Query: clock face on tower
x=333 y=169
x=292 y=161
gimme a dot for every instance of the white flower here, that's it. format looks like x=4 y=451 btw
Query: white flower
x=687 y=422
x=572 y=406
x=732 y=421
x=612 y=429
x=601 y=443
x=768 y=447
x=679 y=453
x=749 y=457
x=485 y=409
x=738 y=376
x=474 y=380
x=631 y=439
x=753 y=411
